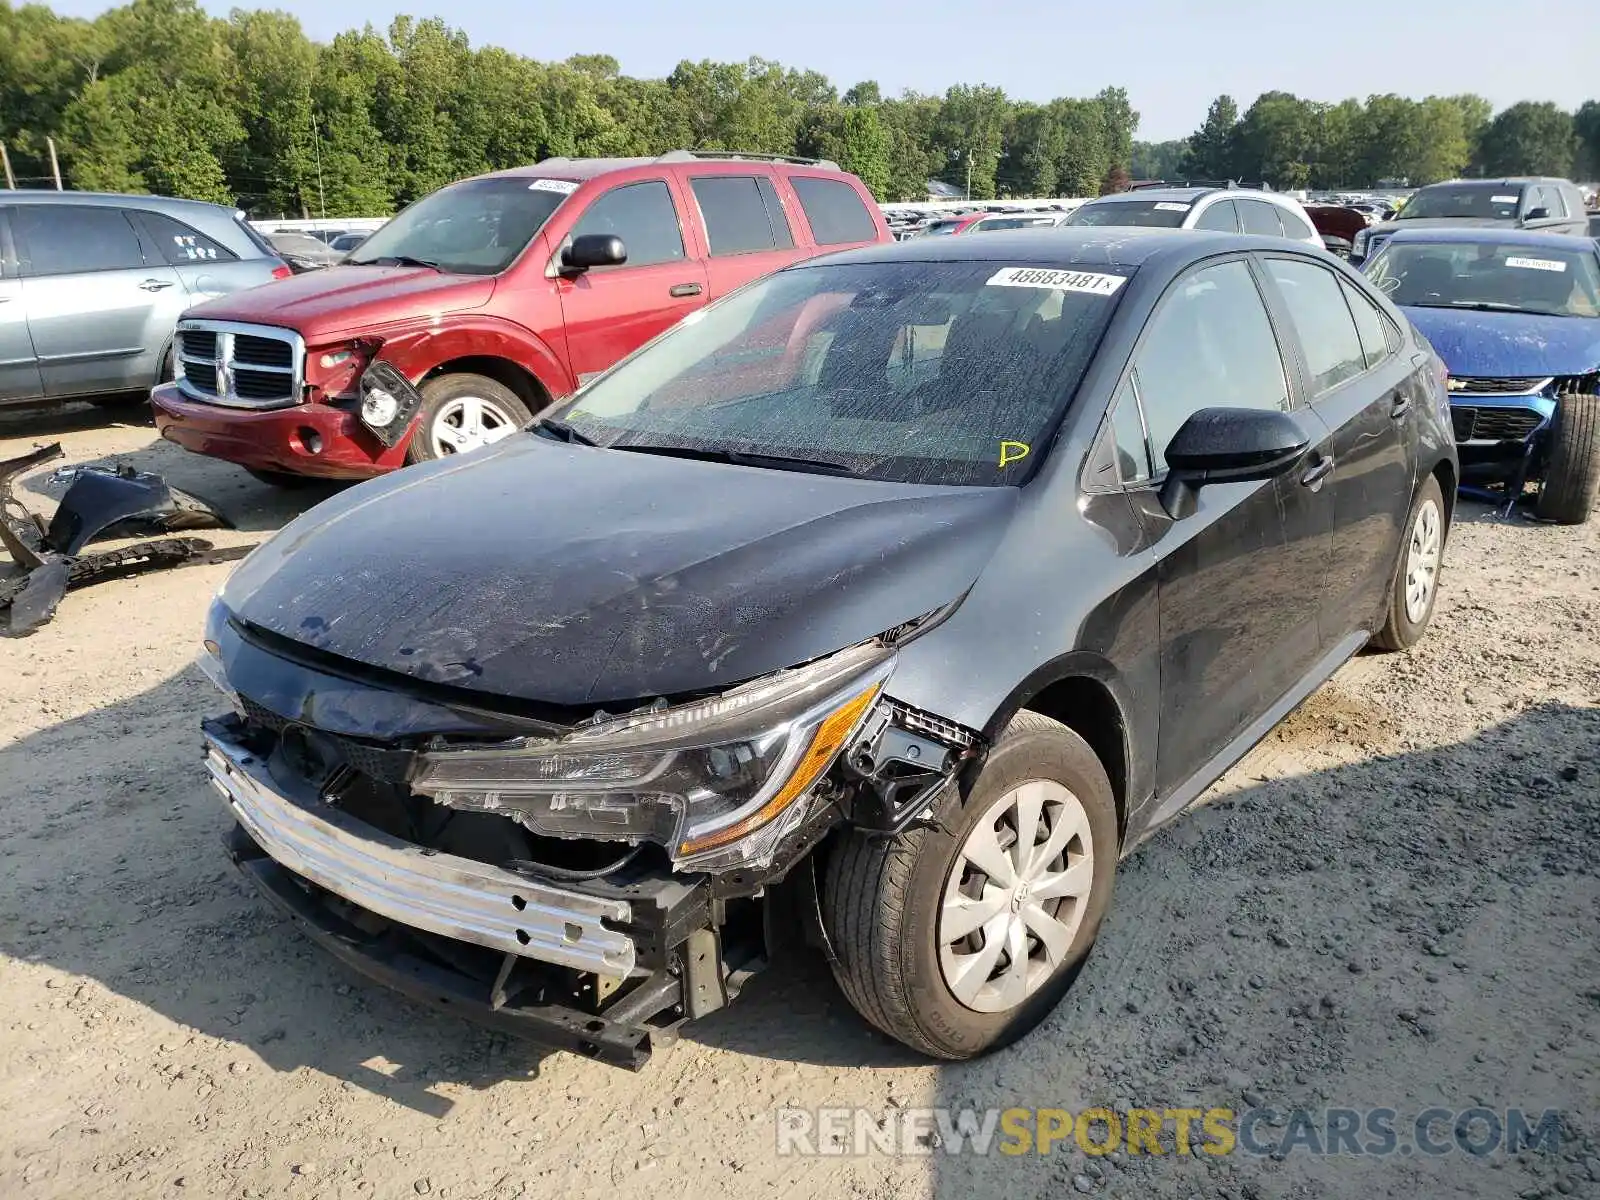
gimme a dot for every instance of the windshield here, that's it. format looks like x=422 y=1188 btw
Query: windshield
x=942 y=227
x=989 y=224
x=1517 y=278
x=944 y=373
x=473 y=228
x=1484 y=201
x=1154 y=214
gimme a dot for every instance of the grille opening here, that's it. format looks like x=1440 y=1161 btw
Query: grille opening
x=260 y=385
x=201 y=376
x=198 y=343
x=1494 y=424
x=249 y=349
x=1505 y=385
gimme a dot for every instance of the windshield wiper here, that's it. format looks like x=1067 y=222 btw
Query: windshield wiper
x=563 y=431
x=743 y=458
x=395 y=260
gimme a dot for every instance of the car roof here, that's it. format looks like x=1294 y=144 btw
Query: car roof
x=1481 y=235
x=1068 y=246
x=709 y=163
x=1504 y=181
x=1172 y=193
x=108 y=199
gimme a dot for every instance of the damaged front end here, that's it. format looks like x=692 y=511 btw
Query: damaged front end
x=587 y=883
x=100 y=502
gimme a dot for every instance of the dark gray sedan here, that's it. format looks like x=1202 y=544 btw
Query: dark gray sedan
x=888 y=602
x=91 y=288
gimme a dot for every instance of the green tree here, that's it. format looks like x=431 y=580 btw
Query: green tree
x=863 y=94
x=967 y=137
x=1084 y=162
x=1586 y=125
x=351 y=158
x=1211 y=146
x=1158 y=160
x=1275 y=140
x=865 y=149
x=276 y=70
x=1529 y=139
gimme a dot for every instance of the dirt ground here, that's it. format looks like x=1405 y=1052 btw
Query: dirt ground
x=1393 y=902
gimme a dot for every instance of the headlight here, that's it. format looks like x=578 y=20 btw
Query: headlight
x=719 y=782
x=1359 y=243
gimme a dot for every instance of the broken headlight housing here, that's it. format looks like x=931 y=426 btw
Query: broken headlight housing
x=719 y=782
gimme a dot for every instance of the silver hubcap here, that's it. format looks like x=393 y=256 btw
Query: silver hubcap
x=1422 y=561
x=1016 y=897
x=468 y=422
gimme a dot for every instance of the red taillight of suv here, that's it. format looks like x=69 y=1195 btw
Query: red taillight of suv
x=282 y=271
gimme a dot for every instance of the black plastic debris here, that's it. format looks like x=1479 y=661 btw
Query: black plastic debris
x=99 y=503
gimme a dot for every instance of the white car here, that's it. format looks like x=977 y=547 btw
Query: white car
x=1231 y=209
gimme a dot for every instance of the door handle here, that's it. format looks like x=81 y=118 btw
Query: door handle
x=679 y=290
x=1400 y=407
x=1317 y=472
x=154 y=285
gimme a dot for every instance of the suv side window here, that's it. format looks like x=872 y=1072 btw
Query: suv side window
x=68 y=239
x=642 y=215
x=833 y=210
x=179 y=244
x=736 y=214
x=1377 y=338
x=1322 y=319
x=1210 y=343
x=1220 y=216
x=1293 y=226
x=1260 y=217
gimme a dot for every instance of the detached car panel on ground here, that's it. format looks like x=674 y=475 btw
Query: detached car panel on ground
x=890 y=602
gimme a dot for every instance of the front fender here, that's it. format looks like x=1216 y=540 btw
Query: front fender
x=415 y=352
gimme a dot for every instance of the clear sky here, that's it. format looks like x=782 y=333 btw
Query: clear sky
x=1173 y=56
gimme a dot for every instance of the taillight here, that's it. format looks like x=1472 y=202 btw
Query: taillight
x=282 y=271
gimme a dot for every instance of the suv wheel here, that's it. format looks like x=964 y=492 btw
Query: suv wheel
x=462 y=413
x=958 y=937
x=1572 y=467
x=1416 y=579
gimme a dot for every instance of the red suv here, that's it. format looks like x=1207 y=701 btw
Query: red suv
x=495 y=296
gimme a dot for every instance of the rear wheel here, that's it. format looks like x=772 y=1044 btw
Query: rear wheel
x=959 y=937
x=1572 y=467
x=1416 y=578
x=464 y=412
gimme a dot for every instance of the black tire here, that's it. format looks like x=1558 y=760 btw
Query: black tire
x=1572 y=467
x=285 y=479
x=437 y=395
x=1399 y=631
x=882 y=899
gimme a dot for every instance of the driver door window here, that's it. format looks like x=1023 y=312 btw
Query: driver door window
x=1209 y=345
x=643 y=216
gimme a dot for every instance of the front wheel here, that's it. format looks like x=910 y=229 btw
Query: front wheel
x=464 y=412
x=958 y=937
x=1572 y=469
x=1416 y=579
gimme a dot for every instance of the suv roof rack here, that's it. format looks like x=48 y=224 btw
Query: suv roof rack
x=1197 y=183
x=745 y=155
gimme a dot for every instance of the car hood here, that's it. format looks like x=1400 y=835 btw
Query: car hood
x=346 y=298
x=569 y=575
x=1524 y=345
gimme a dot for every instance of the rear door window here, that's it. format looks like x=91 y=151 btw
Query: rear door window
x=72 y=239
x=737 y=218
x=1259 y=217
x=179 y=244
x=1333 y=348
x=643 y=216
x=1293 y=226
x=834 y=211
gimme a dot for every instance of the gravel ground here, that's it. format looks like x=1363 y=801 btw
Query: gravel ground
x=1393 y=902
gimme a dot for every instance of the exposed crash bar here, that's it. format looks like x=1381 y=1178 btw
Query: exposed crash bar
x=440 y=893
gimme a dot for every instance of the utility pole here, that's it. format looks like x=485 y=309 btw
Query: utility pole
x=5 y=161
x=316 y=142
x=969 y=173
x=55 y=166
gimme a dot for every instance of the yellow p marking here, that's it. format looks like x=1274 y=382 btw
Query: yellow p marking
x=1011 y=452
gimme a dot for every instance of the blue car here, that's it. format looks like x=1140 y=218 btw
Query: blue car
x=1516 y=318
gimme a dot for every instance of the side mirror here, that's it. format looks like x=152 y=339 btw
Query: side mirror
x=594 y=250
x=1228 y=445
x=1537 y=214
